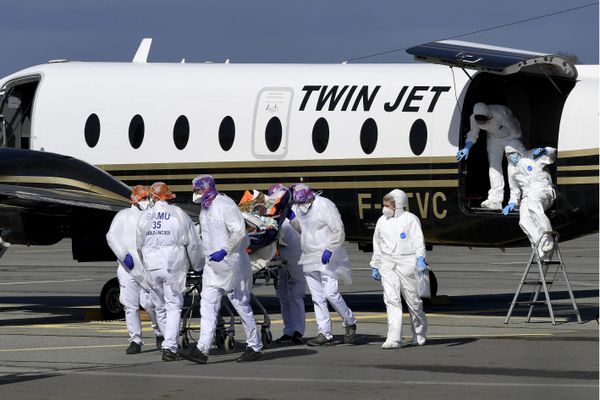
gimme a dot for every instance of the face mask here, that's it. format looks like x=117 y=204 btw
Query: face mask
x=144 y=204
x=303 y=208
x=387 y=212
x=197 y=198
x=514 y=158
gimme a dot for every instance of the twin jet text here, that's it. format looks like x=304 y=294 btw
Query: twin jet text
x=354 y=97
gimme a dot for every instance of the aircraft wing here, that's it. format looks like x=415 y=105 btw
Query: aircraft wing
x=55 y=201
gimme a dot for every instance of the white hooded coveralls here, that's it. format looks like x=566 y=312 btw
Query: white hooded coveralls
x=503 y=129
x=321 y=229
x=169 y=244
x=531 y=184
x=292 y=286
x=134 y=284
x=222 y=227
x=397 y=243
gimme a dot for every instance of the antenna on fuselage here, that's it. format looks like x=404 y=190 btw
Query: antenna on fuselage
x=141 y=55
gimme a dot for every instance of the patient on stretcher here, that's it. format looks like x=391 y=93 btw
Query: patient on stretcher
x=264 y=215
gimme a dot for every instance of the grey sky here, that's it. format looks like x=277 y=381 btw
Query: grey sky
x=35 y=31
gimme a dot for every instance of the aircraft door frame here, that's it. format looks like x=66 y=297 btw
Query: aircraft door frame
x=271 y=103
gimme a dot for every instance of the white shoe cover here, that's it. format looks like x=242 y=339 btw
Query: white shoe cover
x=387 y=345
x=418 y=340
x=491 y=204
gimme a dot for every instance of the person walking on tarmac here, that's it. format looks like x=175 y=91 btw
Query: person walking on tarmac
x=169 y=244
x=503 y=129
x=324 y=260
x=292 y=286
x=398 y=250
x=227 y=271
x=531 y=183
x=135 y=283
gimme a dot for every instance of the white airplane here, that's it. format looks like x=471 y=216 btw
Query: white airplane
x=76 y=135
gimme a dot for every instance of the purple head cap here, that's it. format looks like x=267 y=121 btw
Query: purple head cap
x=203 y=182
x=275 y=188
x=303 y=194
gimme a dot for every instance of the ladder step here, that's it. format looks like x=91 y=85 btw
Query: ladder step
x=537 y=282
x=538 y=302
x=551 y=262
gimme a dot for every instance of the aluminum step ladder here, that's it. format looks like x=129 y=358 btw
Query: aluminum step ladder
x=542 y=282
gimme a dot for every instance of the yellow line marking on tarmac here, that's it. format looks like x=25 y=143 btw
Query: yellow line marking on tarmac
x=62 y=348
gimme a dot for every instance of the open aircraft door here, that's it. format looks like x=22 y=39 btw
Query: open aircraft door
x=533 y=85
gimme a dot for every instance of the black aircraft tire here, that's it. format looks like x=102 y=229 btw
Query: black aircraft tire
x=109 y=300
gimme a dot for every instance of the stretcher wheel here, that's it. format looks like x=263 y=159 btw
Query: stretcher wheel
x=220 y=338
x=229 y=343
x=267 y=337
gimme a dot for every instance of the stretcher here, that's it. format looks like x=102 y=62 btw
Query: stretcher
x=264 y=216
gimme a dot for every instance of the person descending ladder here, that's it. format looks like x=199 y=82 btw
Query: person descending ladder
x=544 y=264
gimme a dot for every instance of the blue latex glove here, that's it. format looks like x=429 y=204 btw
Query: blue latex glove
x=325 y=257
x=464 y=152
x=217 y=256
x=128 y=261
x=421 y=264
x=509 y=207
x=291 y=215
x=540 y=151
x=375 y=274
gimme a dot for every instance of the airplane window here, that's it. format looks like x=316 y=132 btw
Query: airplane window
x=418 y=137
x=320 y=135
x=226 y=133
x=136 y=131
x=92 y=130
x=273 y=134
x=368 y=136
x=181 y=132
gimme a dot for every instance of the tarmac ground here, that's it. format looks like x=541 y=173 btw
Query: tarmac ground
x=53 y=345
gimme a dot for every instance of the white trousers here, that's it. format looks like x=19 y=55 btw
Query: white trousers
x=532 y=216
x=168 y=304
x=210 y=304
x=495 y=151
x=132 y=295
x=400 y=281
x=324 y=288
x=290 y=292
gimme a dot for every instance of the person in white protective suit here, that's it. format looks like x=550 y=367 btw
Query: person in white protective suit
x=134 y=279
x=324 y=261
x=398 y=250
x=292 y=286
x=227 y=271
x=503 y=129
x=169 y=244
x=531 y=185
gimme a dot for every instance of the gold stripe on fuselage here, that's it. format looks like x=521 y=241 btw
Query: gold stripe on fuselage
x=279 y=163
x=578 y=153
x=53 y=180
x=278 y=175
x=577 y=180
x=578 y=168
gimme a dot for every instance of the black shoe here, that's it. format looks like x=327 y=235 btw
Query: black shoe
x=297 y=338
x=159 y=340
x=168 y=355
x=134 y=348
x=250 y=355
x=350 y=333
x=195 y=355
x=284 y=339
x=320 y=340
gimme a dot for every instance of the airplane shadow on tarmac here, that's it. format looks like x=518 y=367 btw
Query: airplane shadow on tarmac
x=62 y=309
